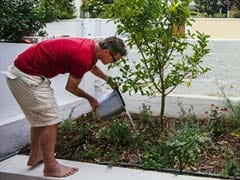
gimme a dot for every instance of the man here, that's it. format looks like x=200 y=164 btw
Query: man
x=28 y=80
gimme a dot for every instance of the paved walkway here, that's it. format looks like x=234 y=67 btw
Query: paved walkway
x=15 y=168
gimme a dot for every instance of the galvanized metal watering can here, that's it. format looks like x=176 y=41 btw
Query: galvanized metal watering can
x=110 y=104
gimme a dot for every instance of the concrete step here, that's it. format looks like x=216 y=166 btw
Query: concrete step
x=15 y=168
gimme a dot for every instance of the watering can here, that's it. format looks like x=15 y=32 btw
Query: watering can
x=110 y=104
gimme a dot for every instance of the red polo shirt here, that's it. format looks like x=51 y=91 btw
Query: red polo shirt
x=58 y=56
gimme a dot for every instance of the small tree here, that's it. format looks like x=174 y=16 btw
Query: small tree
x=166 y=60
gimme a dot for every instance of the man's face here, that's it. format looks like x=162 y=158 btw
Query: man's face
x=109 y=57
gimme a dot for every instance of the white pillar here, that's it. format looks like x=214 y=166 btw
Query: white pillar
x=78 y=4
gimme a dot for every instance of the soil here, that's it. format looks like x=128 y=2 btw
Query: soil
x=77 y=140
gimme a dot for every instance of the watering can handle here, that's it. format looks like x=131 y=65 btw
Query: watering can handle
x=119 y=94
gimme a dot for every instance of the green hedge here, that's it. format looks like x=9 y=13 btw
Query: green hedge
x=26 y=17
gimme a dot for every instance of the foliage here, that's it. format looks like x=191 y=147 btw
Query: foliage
x=168 y=57
x=181 y=149
x=235 y=108
x=117 y=134
x=158 y=157
x=188 y=141
x=76 y=127
x=206 y=8
x=217 y=121
x=216 y=8
x=20 y=18
x=145 y=113
x=236 y=14
x=95 y=7
x=210 y=7
x=219 y=15
x=90 y=152
x=90 y=139
x=53 y=9
x=230 y=166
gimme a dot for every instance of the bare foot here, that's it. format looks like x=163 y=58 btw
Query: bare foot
x=59 y=170
x=35 y=158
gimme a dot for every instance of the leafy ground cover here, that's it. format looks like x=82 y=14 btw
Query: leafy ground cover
x=208 y=146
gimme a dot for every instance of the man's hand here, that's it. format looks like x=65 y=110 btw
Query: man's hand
x=93 y=103
x=112 y=83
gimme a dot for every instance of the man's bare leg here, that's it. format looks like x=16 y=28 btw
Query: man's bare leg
x=52 y=168
x=35 y=156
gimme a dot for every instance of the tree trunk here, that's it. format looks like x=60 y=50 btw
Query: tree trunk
x=178 y=30
x=162 y=120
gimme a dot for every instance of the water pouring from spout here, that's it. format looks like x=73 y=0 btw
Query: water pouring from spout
x=112 y=104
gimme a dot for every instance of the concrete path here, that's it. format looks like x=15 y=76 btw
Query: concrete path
x=15 y=168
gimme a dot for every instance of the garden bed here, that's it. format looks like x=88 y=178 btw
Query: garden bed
x=209 y=147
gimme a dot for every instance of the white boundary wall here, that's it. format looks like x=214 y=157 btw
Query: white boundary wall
x=223 y=61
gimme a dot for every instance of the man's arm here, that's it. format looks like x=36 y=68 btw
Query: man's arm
x=72 y=86
x=98 y=72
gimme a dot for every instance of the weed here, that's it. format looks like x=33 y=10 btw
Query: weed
x=90 y=152
x=188 y=141
x=158 y=157
x=145 y=113
x=230 y=168
x=117 y=134
x=229 y=165
x=217 y=121
x=235 y=108
x=66 y=125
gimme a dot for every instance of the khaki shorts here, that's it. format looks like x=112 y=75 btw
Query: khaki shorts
x=35 y=97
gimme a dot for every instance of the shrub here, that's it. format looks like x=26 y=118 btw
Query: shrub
x=145 y=113
x=217 y=121
x=234 y=108
x=219 y=15
x=54 y=10
x=95 y=7
x=230 y=166
x=82 y=128
x=236 y=14
x=19 y=18
x=158 y=157
x=117 y=134
x=189 y=139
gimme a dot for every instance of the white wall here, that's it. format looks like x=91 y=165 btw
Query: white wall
x=223 y=61
x=82 y=28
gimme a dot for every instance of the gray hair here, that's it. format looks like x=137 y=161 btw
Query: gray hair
x=114 y=44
